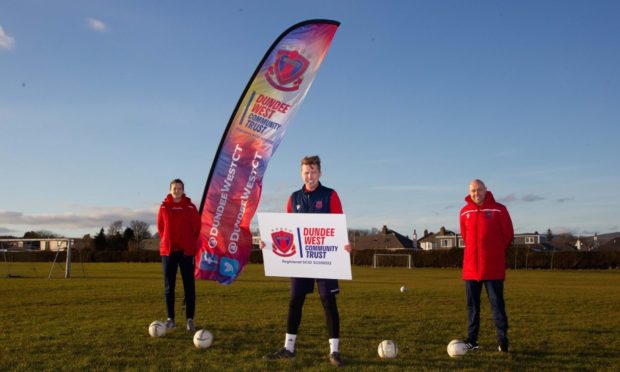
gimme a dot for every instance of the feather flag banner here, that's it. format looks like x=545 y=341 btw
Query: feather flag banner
x=254 y=131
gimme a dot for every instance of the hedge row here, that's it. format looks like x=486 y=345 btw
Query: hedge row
x=516 y=257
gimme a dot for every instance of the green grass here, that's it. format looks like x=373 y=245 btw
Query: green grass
x=560 y=320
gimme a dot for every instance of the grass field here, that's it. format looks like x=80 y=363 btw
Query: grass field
x=560 y=320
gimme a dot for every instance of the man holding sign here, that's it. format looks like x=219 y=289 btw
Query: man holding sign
x=312 y=198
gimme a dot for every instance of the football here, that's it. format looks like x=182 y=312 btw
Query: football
x=157 y=329
x=403 y=289
x=388 y=349
x=203 y=339
x=457 y=348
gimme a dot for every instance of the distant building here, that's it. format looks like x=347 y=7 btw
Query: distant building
x=443 y=239
x=579 y=244
x=43 y=244
x=151 y=244
x=446 y=239
x=529 y=239
x=385 y=239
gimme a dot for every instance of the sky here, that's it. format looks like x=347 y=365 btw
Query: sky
x=103 y=102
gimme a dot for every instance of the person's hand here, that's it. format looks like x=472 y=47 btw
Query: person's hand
x=262 y=245
x=347 y=247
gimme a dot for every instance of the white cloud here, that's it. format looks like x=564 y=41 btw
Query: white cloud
x=87 y=218
x=6 y=42
x=96 y=25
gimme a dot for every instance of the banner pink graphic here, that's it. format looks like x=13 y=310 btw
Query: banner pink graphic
x=254 y=131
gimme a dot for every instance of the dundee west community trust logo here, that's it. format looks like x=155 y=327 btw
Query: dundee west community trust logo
x=283 y=243
x=287 y=71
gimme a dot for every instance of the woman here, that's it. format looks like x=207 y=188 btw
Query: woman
x=178 y=225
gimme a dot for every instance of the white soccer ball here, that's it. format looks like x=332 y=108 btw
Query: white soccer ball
x=457 y=348
x=388 y=349
x=203 y=339
x=403 y=289
x=157 y=329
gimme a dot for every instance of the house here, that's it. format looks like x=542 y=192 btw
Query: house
x=385 y=239
x=42 y=244
x=528 y=239
x=443 y=239
x=611 y=245
x=151 y=244
x=446 y=239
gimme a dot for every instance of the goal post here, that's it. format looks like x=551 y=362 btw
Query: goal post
x=17 y=246
x=391 y=258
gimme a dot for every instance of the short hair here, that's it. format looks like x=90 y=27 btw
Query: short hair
x=312 y=160
x=478 y=181
x=176 y=180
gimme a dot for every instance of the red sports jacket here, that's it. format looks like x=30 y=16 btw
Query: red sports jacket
x=487 y=232
x=178 y=225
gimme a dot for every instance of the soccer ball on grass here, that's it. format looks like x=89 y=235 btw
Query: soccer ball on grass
x=157 y=329
x=203 y=339
x=388 y=349
x=457 y=348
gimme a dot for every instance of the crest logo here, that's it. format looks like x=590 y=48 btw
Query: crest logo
x=288 y=70
x=319 y=204
x=283 y=243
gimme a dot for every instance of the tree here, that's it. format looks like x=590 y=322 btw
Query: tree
x=40 y=234
x=87 y=241
x=100 y=241
x=115 y=228
x=128 y=234
x=140 y=230
x=549 y=235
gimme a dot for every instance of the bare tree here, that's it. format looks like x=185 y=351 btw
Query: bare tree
x=140 y=230
x=115 y=228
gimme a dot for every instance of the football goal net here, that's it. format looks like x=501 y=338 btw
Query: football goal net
x=17 y=254
x=391 y=260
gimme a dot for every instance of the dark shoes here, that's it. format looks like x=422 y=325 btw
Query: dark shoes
x=284 y=354
x=335 y=359
x=281 y=354
x=170 y=323
x=503 y=346
x=471 y=345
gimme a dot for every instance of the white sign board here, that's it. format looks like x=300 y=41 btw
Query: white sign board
x=305 y=245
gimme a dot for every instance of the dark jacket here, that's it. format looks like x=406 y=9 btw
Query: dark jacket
x=320 y=200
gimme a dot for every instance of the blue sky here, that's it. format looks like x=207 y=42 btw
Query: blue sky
x=102 y=103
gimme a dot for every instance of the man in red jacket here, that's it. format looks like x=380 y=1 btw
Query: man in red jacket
x=487 y=231
x=178 y=226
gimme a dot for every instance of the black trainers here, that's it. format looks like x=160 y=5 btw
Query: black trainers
x=503 y=346
x=283 y=353
x=170 y=323
x=335 y=359
x=471 y=345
